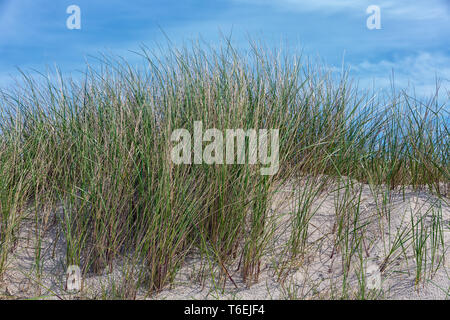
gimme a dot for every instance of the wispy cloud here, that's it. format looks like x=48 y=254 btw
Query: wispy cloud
x=412 y=40
x=419 y=72
x=404 y=9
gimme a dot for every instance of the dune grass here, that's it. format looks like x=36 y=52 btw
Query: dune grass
x=99 y=147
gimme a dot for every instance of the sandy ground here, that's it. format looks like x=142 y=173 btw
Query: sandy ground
x=318 y=274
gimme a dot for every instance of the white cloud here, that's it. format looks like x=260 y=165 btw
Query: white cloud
x=405 y=9
x=418 y=71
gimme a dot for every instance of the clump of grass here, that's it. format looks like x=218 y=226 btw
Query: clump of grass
x=100 y=147
x=428 y=243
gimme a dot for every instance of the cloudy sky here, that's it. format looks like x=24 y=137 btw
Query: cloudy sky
x=413 y=42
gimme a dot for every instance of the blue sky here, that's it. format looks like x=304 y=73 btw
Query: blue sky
x=413 y=41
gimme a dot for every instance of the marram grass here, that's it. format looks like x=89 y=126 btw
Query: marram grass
x=99 y=148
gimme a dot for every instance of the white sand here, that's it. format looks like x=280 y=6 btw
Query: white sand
x=317 y=275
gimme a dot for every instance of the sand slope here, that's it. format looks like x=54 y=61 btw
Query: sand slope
x=318 y=273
